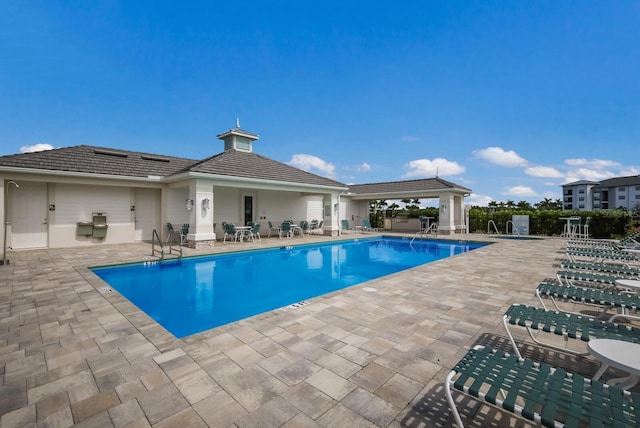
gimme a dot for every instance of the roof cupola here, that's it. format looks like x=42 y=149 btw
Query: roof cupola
x=238 y=139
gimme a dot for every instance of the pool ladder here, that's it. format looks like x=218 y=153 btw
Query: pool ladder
x=433 y=228
x=492 y=223
x=514 y=229
x=173 y=252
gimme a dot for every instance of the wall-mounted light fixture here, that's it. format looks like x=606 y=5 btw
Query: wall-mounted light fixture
x=205 y=203
x=188 y=204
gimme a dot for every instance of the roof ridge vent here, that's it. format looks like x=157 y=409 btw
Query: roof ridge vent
x=110 y=153
x=154 y=158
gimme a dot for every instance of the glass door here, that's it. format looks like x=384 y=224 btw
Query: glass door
x=248 y=209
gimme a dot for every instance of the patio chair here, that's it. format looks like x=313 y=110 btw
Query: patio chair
x=546 y=395
x=285 y=227
x=184 y=231
x=568 y=325
x=255 y=232
x=610 y=298
x=304 y=226
x=344 y=225
x=230 y=230
x=273 y=228
x=172 y=235
x=366 y=226
x=584 y=229
x=318 y=228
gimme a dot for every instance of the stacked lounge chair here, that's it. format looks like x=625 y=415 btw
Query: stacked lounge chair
x=548 y=395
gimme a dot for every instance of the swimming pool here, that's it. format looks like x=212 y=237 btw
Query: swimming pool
x=203 y=292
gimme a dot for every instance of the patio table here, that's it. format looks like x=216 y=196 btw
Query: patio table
x=244 y=230
x=619 y=354
x=628 y=283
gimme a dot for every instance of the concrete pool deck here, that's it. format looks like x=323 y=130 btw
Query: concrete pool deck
x=72 y=352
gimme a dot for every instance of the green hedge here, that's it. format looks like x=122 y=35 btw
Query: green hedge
x=604 y=224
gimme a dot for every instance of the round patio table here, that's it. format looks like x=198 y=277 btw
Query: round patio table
x=619 y=354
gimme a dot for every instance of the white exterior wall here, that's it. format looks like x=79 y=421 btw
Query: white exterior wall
x=226 y=205
x=267 y=205
x=635 y=197
x=354 y=211
x=75 y=203
x=176 y=212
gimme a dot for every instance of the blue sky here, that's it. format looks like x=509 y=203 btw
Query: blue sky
x=510 y=99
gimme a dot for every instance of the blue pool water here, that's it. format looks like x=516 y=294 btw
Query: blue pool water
x=200 y=293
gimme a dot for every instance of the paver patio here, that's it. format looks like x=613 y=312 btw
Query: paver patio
x=71 y=352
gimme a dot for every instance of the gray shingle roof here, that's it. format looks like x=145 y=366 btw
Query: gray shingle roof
x=236 y=163
x=632 y=180
x=233 y=163
x=100 y=160
x=97 y=160
x=427 y=184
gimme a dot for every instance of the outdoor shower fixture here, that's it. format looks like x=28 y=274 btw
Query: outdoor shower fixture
x=188 y=204
x=6 y=221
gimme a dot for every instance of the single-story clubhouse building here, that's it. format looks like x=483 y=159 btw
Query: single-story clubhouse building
x=123 y=196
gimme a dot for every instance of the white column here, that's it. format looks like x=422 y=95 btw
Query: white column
x=201 y=216
x=446 y=222
x=459 y=214
x=332 y=222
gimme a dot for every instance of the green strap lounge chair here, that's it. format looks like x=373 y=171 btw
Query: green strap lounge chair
x=566 y=324
x=603 y=268
x=570 y=277
x=611 y=298
x=548 y=396
x=600 y=255
x=344 y=225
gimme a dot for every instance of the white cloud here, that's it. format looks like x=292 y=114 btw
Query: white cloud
x=364 y=167
x=410 y=139
x=543 y=171
x=478 y=200
x=498 y=156
x=629 y=171
x=588 y=174
x=431 y=168
x=520 y=191
x=593 y=163
x=313 y=164
x=36 y=148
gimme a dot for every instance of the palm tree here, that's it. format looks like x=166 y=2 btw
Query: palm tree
x=393 y=207
x=545 y=204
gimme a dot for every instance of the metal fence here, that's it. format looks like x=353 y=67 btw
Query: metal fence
x=550 y=223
